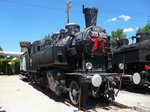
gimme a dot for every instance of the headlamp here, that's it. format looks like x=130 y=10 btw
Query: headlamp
x=121 y=66
x=89 y=65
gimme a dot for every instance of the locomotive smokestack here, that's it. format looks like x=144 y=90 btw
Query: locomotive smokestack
x=90 y=16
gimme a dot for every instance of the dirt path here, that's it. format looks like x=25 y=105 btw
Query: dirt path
x=19 y=96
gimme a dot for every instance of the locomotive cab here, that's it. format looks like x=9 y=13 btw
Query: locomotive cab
x=142 y=36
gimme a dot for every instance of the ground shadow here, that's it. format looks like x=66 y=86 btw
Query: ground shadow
x=92 y=103
x=1 y=110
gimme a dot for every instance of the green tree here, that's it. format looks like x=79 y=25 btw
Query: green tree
x=1 y=49
x=146 y=28
x=117 y=35
x=47 y=37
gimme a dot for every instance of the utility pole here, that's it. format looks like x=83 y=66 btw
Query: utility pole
x=68 y=10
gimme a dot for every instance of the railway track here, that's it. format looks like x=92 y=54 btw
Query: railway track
x=137 y=109
x=95 y=105
x=119 y=105
x=111 y=105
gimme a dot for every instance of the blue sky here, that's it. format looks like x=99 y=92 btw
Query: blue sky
x=30 y=20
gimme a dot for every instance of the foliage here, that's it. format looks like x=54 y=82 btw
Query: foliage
x=47 y=37
x=9 y=66
x=146 y=28
x=1 y=49
x=117 y=35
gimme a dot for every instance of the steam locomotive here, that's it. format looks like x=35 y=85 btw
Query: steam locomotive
x=74 y=61
x=136 y=59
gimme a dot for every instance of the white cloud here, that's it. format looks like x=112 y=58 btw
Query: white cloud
x=124 y=17
x=112 y=19
x=128 y=30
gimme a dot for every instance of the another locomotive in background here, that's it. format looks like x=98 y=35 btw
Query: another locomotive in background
x=74 y=61
x=136 y=59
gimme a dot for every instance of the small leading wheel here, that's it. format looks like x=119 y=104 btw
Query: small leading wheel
x=77 y=94
x=74 y=93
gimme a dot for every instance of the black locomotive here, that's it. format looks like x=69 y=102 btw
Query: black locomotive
x=74 y=61
x=136 y=59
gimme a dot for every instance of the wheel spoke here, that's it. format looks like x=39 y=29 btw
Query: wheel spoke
x=78 y=91
x=74 y=92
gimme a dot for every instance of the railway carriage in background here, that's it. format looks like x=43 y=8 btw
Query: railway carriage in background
x=136 y=59
x=74 y=61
